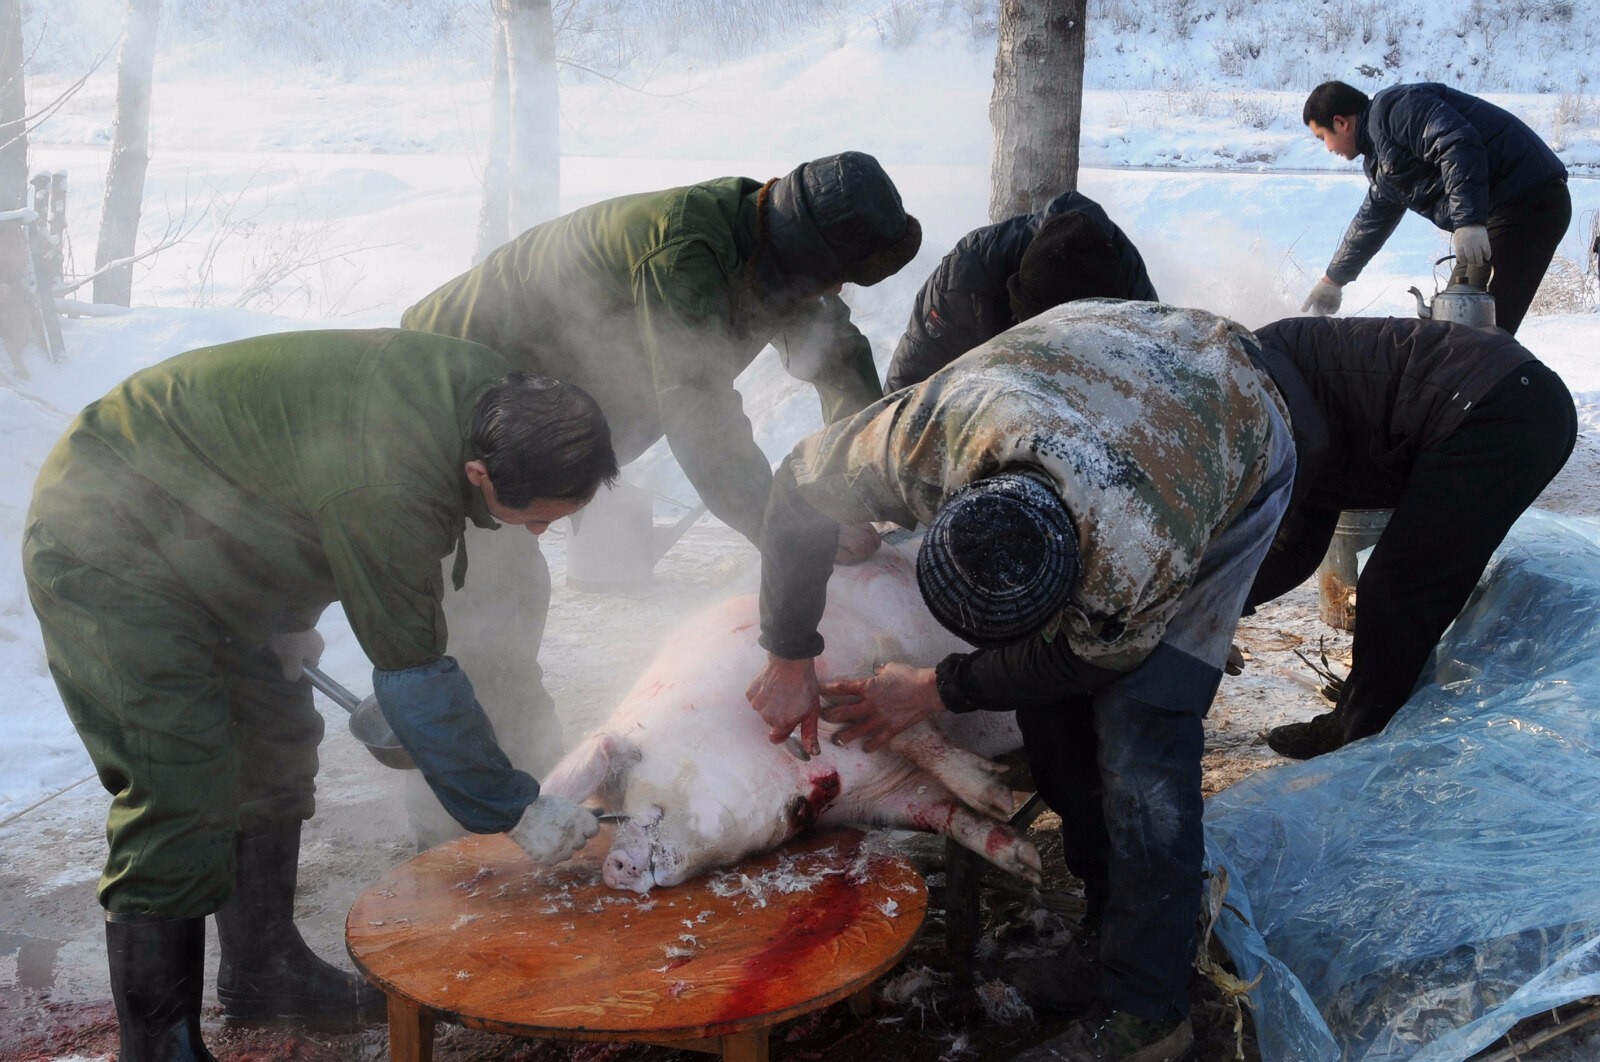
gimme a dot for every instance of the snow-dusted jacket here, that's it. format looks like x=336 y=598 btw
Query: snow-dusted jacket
x=964 y=301
x=1151 y=422
x=1448 y=155
x=650 y=303
x=1388 y=389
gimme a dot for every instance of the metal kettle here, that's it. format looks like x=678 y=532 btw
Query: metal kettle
x=1464 y=300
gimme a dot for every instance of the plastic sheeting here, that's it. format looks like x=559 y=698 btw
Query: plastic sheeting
x=1415 y=894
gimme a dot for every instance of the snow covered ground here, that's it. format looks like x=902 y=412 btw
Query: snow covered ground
x=377 y=180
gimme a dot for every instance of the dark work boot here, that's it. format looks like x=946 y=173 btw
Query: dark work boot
x=267 y=970
x=1065 y=982
x=157 y=977
x=1116 y=1036
x=1301 y=741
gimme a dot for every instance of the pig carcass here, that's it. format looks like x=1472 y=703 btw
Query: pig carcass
x=687 y=759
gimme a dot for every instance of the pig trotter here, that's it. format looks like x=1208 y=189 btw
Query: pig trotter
x=975 y=780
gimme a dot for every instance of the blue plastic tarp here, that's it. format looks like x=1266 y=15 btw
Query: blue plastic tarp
x=1415 y=894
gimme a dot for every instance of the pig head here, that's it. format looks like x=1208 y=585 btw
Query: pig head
x=687 y=759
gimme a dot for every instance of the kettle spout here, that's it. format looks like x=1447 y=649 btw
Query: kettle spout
x=1422 y=308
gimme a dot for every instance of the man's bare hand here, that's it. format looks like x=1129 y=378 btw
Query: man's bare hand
x=786 y=695
x=875 y=709
x=857 y=542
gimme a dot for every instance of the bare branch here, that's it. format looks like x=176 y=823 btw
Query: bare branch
x=37 y=118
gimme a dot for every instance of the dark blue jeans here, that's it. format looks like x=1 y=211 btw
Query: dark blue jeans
x=1121 y=766
x=1125 y=778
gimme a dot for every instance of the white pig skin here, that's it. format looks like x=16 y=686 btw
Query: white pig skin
x=688 y=760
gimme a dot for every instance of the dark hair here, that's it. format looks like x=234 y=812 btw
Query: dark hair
x=541 y=438
x=1330 y=100
x=1070 y=258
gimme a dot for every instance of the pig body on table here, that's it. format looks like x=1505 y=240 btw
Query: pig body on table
x=687 y=759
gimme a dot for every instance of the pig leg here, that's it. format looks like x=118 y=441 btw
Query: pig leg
x=969 y=776
x=592 y=768
x=922 y=804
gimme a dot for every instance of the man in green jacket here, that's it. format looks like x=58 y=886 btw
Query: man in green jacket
x=654 y=303
x=184 y=532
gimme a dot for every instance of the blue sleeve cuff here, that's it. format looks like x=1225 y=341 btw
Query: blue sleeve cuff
x=436 y=716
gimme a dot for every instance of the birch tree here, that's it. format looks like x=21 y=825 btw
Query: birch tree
x=522 y=179
x=130 y=153
x=18 y=303
x=1036 y=110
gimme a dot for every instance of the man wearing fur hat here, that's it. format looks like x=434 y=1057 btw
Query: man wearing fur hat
x=654 y=303
x=981 y=288
x=1098 y=483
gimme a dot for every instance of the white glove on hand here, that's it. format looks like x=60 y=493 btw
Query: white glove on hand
x=294 y=650
x=1324 y=298
x=1471 y=245
x=553 y=828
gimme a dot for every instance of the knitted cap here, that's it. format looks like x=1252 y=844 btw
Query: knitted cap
x=1070 y=258
x=999 y=560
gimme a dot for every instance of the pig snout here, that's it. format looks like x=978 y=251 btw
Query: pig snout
x=630 y=864
x=627 y=865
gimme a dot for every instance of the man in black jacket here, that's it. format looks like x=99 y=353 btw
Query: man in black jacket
x=978 y=290
x=1457 y=429
x=1469 y=167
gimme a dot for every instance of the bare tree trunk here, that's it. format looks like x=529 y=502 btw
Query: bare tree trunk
x=1037 y=107
x=130 y=152
x=494 y=217
x=534 y=155
x=18 y=304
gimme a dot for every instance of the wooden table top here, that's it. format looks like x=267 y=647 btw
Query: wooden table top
x=476 y=933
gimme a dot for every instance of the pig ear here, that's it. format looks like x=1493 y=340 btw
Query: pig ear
x=595 y=766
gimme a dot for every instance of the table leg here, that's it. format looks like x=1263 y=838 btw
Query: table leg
x=746 y=1046
x=411 y=1032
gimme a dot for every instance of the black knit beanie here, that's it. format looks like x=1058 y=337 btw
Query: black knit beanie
x=1070 y=258
x=999 y=560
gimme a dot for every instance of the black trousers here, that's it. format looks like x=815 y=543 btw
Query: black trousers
x=1460 y=499
x=1523 y=236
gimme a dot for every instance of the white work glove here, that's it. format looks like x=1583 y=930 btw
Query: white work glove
x=1324 y=298
x=294 y=650
x=1471 y=245
x=553 y=828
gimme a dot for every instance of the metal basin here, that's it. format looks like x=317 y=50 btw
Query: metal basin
x=367 y=724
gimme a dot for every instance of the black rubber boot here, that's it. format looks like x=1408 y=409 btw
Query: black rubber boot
x=157 y=978
x=267 y=970
x=1301 y=741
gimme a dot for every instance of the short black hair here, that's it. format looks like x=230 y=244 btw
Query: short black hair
x=1070 y=258
x=1331 y=99
x=541 y=438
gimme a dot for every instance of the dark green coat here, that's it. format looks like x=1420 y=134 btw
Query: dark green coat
x=645 y=302
x=263 y=479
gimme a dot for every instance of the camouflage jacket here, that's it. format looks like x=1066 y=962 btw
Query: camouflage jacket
x=1150 y=421
x=645 y=302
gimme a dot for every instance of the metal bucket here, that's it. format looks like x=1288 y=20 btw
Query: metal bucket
x=1357 y=530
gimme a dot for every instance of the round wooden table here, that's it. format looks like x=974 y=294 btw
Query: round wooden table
x=474 y=932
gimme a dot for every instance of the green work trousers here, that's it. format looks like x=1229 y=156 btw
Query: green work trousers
x=193 y=735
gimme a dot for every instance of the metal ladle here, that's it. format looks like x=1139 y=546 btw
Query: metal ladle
x=367 y=724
